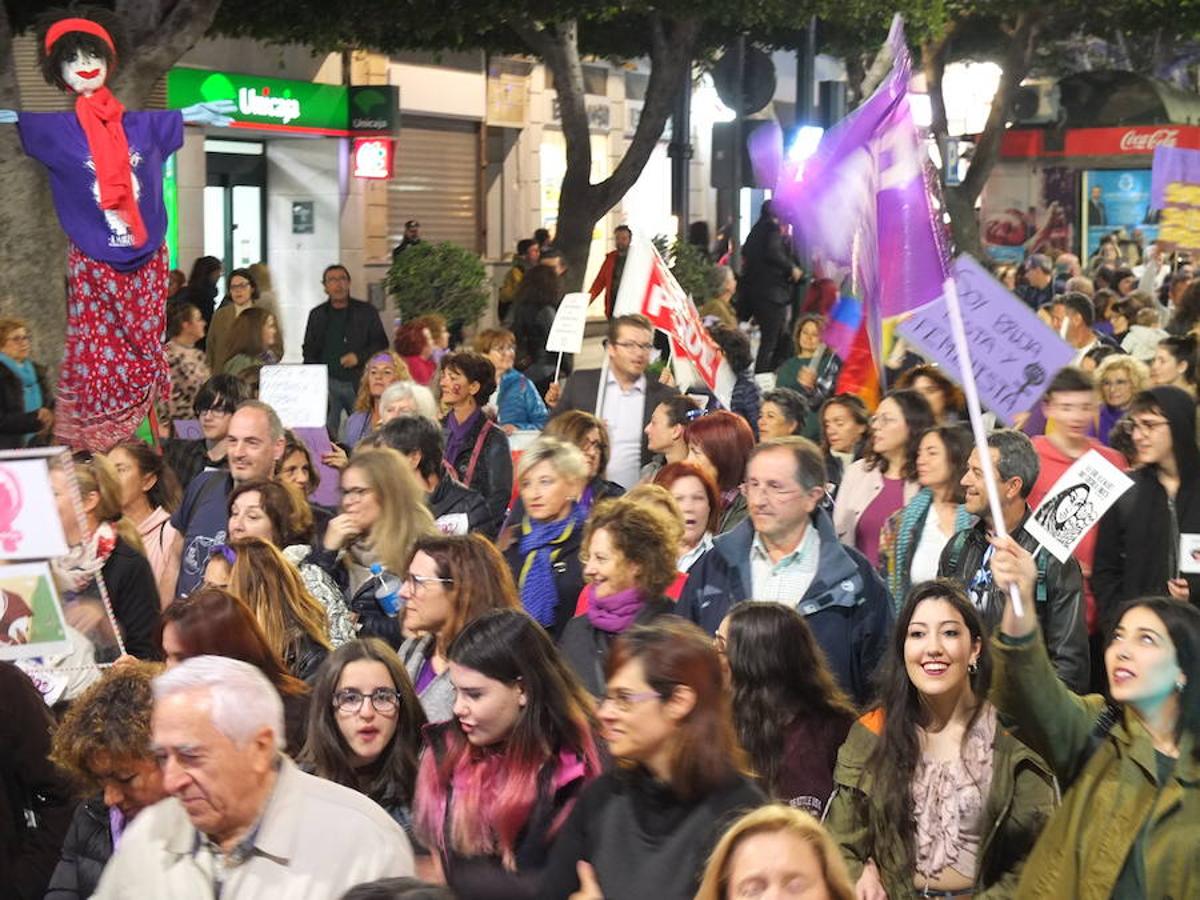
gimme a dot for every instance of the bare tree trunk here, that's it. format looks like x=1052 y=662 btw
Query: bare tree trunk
x=582 y=204
x=32 y=243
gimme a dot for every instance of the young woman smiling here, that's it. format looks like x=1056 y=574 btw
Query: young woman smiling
x=931 y=793
x=496 y=782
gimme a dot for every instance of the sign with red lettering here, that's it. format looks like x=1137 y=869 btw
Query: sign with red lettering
x=1130 y=141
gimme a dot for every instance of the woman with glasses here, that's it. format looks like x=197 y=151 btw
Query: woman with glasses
x=629 y=551
x=680 y=779
x=26 y=403
x=293 y=621
x=543 y=554
x=933 y=796
x=383 y=514
x=1138 y=542
x=590 y=435
x=452 y=581
x=364 y=727
x=210 y=621
x=720 y=443
x=1120 y=378
x=912 y=540
x=884 y=480
x=241 y=295
x=214 y=406
x=519 y=406
x=790 y=715
x=699 y=504
x=383 y=369
x=496 y=782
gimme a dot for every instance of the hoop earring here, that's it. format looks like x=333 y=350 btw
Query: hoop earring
x=973 y=668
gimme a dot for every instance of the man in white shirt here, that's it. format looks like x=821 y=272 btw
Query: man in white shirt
x=1076 y=312
x=629 y=396
x=242 y=821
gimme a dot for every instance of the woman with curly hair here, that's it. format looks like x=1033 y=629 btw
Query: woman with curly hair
x=383 y=369
x=944 y=397
x=104 y=744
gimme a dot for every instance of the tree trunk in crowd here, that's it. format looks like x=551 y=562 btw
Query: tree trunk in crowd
x=581 y=203
x=32 y=243
x=961 y=199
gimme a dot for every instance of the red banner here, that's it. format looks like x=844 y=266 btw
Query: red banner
x=1135 y=141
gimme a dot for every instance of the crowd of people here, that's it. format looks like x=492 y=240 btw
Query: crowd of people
x=665 y=647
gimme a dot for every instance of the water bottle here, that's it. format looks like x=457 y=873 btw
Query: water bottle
x=387 y=590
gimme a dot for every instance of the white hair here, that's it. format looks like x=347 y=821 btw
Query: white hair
x=243 y=700
x=421 y=396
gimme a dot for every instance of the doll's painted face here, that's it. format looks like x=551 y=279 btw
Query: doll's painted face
x=85 y=73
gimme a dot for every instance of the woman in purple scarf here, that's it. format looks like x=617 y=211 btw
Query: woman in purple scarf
x=629 y=553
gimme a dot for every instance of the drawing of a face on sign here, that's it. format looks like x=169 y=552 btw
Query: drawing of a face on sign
x=1068 y=514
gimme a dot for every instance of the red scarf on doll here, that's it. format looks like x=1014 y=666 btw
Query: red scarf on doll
x=100 y=116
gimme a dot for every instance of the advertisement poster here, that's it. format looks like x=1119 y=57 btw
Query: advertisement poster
x=1027 y=209
x=1118 y=200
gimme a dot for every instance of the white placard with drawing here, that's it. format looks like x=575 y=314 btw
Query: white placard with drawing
x=1076 y=502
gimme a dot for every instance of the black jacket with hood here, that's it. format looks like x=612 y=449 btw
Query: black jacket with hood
x=1137 y=545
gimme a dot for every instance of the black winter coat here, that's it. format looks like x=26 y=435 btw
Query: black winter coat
x=135 y=601
x=585 y=647
x=364 y=335
x=492 y=478
x=14 y=421
x=85 y=852
x=767 y=267
x=450 y=498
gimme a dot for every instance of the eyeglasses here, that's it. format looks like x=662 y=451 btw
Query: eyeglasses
x=419 y=581
x=237 y=285
x=384 y=700
x=1147 y=426
x=214 y=411
x=624 y=701
x=773 y=489
x=633 y=345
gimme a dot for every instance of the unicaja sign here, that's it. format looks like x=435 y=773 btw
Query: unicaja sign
x=252 y=103
x=1134 y=141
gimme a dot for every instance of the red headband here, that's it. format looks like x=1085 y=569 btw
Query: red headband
x=87 y=26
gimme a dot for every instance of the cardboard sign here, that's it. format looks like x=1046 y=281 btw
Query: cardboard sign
x=31 y=617
x=329 y=491
x=1076 y=502
x=298 y=394
x=1013 y=353
x=29 y=524
x=566 y=334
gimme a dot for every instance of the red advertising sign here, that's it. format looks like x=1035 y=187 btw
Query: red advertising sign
x=1133 y=141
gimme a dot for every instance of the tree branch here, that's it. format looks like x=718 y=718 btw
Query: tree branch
x=10 y=91
x=161 y=36
x=934 y=53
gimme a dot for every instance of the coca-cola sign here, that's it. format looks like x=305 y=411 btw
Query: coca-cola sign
x=1136 y=141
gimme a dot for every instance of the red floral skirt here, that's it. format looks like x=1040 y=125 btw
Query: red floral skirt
x=114 y=366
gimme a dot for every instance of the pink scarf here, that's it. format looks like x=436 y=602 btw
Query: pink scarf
x=616 y=612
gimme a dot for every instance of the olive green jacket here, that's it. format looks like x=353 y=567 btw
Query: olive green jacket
x=1021 y=799
x=1109 y=796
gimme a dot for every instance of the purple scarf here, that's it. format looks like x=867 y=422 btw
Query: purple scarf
x=616 y=612
x=456 y=434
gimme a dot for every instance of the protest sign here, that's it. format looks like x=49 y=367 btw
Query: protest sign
x=1076 y=502
x=1189 y=554
x=566 y=334
x=1013 y=353
x=298 y=394
x=29 y=527
x=1175 y=189
x=329 y=491
x=648 y=287
x=31 y=618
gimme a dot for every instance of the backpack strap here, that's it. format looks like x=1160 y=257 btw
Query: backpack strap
x=957 y=544
x=1043 y=564
x=469 y=475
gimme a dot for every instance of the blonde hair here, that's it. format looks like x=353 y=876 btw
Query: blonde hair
x=97 y=476
x=261 y=275
x=271 y=586
x=773 y=819
x=565 y=458
x=403 y=516
x=9 y=324
x=1138 y=371
x=362 y=403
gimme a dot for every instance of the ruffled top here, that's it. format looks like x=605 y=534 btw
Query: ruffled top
x=948 y=802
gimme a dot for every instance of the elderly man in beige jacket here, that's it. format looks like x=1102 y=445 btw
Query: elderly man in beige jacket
x=242 y=822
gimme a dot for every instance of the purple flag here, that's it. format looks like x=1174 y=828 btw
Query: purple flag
x=863 y=201
x=1172 y=164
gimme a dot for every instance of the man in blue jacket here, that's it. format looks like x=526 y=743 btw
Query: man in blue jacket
x=788 y=552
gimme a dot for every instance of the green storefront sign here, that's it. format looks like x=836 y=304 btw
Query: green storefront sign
x=276 y=104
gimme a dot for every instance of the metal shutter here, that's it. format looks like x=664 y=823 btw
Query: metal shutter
x=436 y=182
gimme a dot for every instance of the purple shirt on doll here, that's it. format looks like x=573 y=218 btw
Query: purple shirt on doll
x=57 y=141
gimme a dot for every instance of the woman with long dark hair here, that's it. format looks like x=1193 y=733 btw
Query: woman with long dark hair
x=931 y=794
x=452 y=581
x=149 y=494
x=680 y=779
x=496 y=782
x=944 y=397
x=884 y=480
x=790 y=715
x=721 y=443
x=364 y=728
x=252 y=340
x=1174 y=363
x=1129 y=764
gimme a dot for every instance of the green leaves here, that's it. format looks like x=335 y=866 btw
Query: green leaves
x=439 y=278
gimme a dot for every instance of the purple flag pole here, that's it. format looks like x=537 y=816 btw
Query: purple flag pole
x=962 y=347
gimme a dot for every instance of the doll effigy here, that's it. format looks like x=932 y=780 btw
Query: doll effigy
x=105 y=165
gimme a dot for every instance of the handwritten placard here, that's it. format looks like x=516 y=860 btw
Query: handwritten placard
x=1076 y=502
x=1013 y=353
x=299 y=394
x=566 y=334
x=29 y=524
